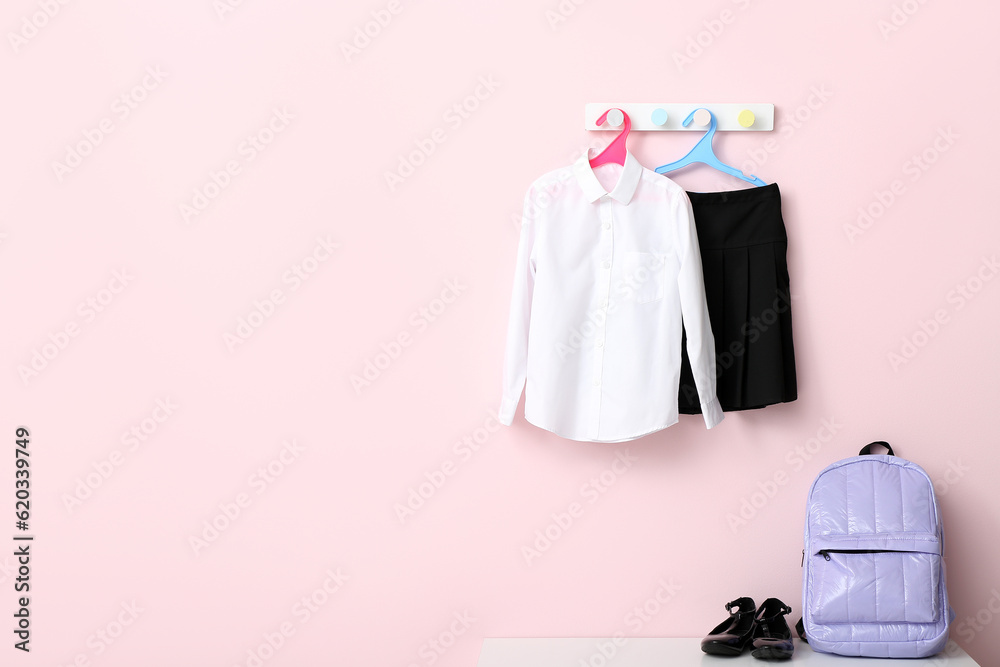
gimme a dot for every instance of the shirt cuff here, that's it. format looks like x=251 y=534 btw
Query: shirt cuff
x=713 y=413
x=506 y=412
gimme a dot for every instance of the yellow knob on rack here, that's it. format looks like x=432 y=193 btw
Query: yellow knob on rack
x=746 y=118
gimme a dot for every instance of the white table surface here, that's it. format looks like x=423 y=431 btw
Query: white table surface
x=657 y=652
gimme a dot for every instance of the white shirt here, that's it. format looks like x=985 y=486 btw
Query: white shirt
x=603 y=280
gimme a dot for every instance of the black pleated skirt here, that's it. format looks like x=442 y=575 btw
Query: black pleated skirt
x=743 y=244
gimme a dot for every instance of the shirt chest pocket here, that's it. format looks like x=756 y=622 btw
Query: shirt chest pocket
x=645 y=278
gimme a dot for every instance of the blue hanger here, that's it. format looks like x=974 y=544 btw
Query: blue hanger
x=702 y=152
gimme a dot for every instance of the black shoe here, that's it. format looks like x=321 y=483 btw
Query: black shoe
x=772 y=638
x=735 y=633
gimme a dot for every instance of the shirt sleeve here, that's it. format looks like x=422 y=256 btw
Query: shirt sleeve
x=694 y=310
x=515 y=363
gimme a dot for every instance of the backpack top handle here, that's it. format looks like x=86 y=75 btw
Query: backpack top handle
x=867 y=449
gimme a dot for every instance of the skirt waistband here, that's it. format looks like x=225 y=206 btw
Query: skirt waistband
x=738 y=218
x=756 y=194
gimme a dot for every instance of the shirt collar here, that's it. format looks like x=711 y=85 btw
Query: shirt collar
x=624 y=189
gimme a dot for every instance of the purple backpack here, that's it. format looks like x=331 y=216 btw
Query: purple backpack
x=873 y=569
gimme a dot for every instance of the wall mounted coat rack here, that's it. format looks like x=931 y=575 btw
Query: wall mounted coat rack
x=670 y=116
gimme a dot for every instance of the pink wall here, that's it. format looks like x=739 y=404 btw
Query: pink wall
x=318 y=550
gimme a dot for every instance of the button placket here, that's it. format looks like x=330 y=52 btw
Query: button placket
x=606 y=252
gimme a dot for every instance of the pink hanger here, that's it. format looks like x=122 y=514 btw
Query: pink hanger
x=615 y=152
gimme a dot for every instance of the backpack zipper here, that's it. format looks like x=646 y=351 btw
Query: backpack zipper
x=825 y=553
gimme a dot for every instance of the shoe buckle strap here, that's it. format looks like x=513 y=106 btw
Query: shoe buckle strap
x=735 y=603
x=784 y=611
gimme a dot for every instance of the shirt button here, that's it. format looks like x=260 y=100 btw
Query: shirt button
x=606 y=265
x=607 y=225
x=600 y=343
x=597 y=382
